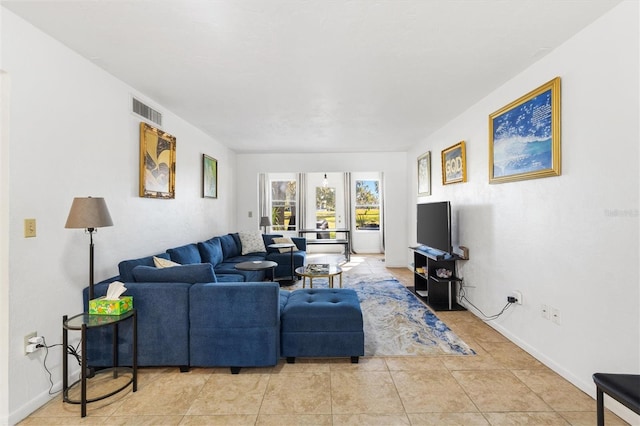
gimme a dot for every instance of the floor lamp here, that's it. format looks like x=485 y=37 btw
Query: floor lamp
x=89 y=213
x=264 y=222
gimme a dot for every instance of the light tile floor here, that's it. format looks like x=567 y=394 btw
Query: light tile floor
x=501 y=385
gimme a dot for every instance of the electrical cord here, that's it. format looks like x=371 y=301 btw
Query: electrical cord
x=462 y=297
x=70 y=350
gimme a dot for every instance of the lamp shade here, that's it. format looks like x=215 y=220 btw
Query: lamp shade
x=89 y=213
x=265 y=221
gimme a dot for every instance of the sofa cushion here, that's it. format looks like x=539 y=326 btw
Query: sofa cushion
x=125 y=267
x=211 y=251
x=192 y=273
x=159 y=262
x=185 y=255
x=229 y=246
x=252 y=242
x=228 y=277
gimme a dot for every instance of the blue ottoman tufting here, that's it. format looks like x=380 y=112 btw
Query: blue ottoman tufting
x=322 y=322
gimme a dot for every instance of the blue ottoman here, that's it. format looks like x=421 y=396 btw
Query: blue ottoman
x=323 y=322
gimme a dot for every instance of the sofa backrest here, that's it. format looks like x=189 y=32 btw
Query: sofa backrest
x=185 y=255
x=230 y=245
x=192 y=273
x=125 y=267
x=211 y=251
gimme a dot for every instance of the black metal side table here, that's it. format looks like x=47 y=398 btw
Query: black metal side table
x=82 y=322
x=290 y=246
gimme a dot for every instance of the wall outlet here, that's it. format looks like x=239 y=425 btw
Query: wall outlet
x=555 y=315
x=544 y=312
x=518 y=296
x=26 y=340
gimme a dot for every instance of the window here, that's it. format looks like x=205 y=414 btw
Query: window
x=367 y=209
x=283 y=205
x=325 y=209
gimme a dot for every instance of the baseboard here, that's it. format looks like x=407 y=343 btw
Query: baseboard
x=587 y=387
x=41 y=399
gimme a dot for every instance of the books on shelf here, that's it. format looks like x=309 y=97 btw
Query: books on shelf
x=318 y=268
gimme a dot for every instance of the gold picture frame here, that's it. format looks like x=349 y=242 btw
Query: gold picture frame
x=209 y=177
x=524 y=136
x=424 y=174
x=157 y=163
x=454 y=164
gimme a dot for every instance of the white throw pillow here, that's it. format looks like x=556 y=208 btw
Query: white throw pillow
x=285 y=240
x=163 y=263
x=252 y=242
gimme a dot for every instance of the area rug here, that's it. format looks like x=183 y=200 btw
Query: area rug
x=396 y=323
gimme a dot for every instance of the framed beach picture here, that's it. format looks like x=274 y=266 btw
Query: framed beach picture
x=454 y=164
x=424 y=174
x=524 y=136
x=157 y=163
x=209 y=177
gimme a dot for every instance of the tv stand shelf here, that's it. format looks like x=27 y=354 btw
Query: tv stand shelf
x=439 y=293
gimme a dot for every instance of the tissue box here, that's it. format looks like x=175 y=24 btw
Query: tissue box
x=101 y=306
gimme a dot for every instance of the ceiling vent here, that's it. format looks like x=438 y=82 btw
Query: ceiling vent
x=147 y=112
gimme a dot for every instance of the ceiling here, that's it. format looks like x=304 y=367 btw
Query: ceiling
x=313 y=75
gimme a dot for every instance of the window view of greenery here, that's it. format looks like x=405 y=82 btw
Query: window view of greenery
x=367 y=204
x=325 y=208
x=283 y=205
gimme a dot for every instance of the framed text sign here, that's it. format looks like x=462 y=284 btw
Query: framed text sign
x=454 y=164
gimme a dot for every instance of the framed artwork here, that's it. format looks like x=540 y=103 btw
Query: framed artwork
x=209 y=177
x=454 y=164
x=157 y=163
x=424 y=174
x=524 y=136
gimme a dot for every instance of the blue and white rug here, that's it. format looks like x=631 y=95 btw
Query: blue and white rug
x=396 y=323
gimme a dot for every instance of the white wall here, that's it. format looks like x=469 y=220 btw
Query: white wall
x=392 y=164
x=71 y=134
x=570 y=242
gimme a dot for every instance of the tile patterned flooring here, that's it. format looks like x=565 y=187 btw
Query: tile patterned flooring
x=502 y=385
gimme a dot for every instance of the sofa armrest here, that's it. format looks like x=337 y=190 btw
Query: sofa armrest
x=300 y=242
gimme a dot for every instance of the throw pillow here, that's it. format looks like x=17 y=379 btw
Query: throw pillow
x=163 y=263
x=252 y=242
x=285 y=240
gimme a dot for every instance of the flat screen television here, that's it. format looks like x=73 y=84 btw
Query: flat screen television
x=434 y=226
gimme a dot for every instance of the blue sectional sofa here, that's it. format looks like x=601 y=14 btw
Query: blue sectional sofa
x=202 y=313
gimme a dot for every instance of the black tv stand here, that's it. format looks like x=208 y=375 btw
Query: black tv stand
x=439 y=293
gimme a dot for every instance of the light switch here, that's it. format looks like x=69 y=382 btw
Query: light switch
x=29 y=228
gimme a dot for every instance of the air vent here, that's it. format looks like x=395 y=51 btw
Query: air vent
x=147 y=112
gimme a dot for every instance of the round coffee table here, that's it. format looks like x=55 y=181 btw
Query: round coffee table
x=319 y=270
x=258 y=265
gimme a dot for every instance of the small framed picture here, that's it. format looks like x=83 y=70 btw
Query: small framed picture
x=454 y=164
x=424 y=174
x=209 y=177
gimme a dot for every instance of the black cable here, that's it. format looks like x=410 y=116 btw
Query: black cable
x=70 y=350
x=487 y=317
